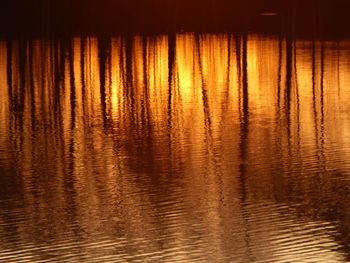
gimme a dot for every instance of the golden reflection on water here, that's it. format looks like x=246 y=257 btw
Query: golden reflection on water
x=214 y=148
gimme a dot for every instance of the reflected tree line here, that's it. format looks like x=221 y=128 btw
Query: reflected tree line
x=58 y=102
x=59 y=18
x=23 y=96
x=63 y=52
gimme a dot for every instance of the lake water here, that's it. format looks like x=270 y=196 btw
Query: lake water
x=175 y=148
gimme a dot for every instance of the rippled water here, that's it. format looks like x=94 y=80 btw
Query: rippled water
x=186 y=148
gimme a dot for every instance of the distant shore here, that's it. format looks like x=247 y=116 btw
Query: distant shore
x=53 y=18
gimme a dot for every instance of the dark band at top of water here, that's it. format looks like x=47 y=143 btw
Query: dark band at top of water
x=307 y=18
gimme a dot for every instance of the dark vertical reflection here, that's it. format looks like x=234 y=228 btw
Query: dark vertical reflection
x=70 y=47
x=322 y=121
x=290 y=39
x=238 y=42
x=314 y=95
x=19 y=94
x=244 y=117
x=206 y=109
x=338 y=66
x=238 y=54
x=288 y=92
x=279 y=79
x=128 y=45
x=103 y=55
x=59 y=76
x=245 y=76
x=289 y=74
x=171 y=65
x=228 y=75
x=82 y=65
x=9 y=65
x=69 y=180
x=297 y=93
x=146 y=101
x=244 y=144
x=31 y=84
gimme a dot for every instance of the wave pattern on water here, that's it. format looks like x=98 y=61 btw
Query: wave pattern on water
x=174 y=148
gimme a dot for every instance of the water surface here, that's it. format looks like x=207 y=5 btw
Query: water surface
x=186 y=148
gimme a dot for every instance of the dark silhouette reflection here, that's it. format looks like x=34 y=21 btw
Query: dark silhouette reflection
x=289 y=73
x=244 y=140
x=190 y=147
x=146 y=100
x=206 y=110
x=280 y=53
x=128 y=45
x=171 y=66
x=244 y=118
x=73 y=98
x=103 y=53
x=322 y=121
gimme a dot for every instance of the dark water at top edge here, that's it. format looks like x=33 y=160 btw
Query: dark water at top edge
x=306 y=19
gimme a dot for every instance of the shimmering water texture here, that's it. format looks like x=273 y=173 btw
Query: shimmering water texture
x=186 y=148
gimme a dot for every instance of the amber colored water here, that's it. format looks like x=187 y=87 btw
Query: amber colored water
x=186 y=148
